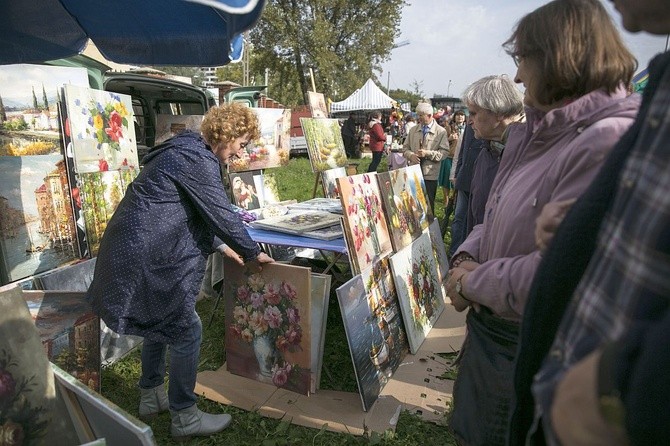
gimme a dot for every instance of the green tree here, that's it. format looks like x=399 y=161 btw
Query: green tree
x=406 y=96
x=344 y=42
x=44 y=98
x=35 y=106
x=3 y=113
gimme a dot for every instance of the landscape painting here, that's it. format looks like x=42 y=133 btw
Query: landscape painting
x=271 y=149
x=168 y=126
x=408 y=213
x=368 y=236
x=419 y=289
x=374 y=329
x=37 y=226
x=268 y=324
x=102 y=129
x=101 y=193
x=29 y=95
x=70 y=332
x=325 y=147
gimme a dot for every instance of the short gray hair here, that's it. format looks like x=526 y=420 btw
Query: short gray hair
x=497 y=94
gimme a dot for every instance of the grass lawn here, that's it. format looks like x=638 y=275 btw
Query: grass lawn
x=119 y=381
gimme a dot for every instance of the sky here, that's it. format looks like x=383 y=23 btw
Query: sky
x=454 y=43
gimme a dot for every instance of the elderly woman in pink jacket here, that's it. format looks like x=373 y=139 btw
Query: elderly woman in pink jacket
x=575 y=69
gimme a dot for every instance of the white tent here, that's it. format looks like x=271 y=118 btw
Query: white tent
x=368 y=97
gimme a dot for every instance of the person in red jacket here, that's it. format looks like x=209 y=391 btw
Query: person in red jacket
x=377 y=140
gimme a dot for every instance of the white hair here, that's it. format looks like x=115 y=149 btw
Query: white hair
x=497 y=94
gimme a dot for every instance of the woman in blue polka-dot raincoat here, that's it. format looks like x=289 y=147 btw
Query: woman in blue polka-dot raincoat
x=152 y=259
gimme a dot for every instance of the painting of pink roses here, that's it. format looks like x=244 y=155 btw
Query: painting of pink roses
x=268 y=327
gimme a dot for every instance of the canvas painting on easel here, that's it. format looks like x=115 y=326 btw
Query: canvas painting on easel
x=317 y=104
x=374 y=328
x=419 y=289
x=368 y=236
x=268 y=324
x=325 y=146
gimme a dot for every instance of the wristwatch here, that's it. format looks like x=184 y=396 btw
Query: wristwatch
x=459 y=288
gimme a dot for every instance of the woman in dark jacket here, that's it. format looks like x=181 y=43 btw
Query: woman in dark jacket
x=152 y=260
x=377 y=140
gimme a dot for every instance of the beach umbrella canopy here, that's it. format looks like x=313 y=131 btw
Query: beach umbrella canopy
x=138 y=32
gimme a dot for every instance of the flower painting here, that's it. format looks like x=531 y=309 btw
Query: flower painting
x=374 y=328
x=101 y=126
x=268 y=324
x=364 y=223
x=419 y=289
x=325 y=147
x=407 y=210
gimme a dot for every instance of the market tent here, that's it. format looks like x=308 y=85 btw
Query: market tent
x=147 y=32
x=368 y=97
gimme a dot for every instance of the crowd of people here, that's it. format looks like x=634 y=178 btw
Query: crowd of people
x=559 y=250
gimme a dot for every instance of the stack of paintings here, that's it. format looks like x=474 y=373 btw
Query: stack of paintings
x=298 y=222
x=333 y=205
x=374 y=328
x=273 y=333
x=37 y=221
x=101 y=153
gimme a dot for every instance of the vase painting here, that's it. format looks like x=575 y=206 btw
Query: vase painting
x=420 y=291
x=407 y=211
x=367 y=233
x=268 y=324
x=374 y=328
x=102 y=129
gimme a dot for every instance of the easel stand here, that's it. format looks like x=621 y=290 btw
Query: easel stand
x=318 y=180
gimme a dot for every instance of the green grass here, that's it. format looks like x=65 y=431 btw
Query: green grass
x=119 y=381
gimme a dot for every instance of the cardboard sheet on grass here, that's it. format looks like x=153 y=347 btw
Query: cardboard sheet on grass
x=415 y=387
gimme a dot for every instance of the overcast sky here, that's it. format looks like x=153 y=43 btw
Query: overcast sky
x=460 y=41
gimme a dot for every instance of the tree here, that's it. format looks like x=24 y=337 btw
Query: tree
x=343 y=41
x=44 y=98
x=406 y=96
x=35 y=106
x=3 y=113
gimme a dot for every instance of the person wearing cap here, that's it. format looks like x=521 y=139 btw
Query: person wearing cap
x=427 y=144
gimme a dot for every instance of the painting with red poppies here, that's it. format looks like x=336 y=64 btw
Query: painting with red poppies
x=368 y=236
x=101 y=126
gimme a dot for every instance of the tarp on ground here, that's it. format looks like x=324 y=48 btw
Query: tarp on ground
x=368 y=97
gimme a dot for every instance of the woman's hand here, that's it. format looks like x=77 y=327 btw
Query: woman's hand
x=550 y=218
x=228 y=252
x=256 y=264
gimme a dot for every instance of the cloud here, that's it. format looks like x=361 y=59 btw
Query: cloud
x=461 y=42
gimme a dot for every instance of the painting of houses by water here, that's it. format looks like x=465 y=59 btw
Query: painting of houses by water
x=28 y=107
x=70 y=332
x=37 y=227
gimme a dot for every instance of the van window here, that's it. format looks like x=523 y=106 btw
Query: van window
x=179 y=108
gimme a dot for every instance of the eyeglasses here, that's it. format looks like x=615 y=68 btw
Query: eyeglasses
x=517 y=58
